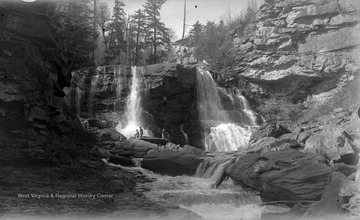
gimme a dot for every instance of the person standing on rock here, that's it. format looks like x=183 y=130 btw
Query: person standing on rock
x=184 y=134
x=165 y=135
x=141 y=131
x=137 y=133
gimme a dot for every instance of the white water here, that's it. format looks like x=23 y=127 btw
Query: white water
x=133 y=106
x=208 y=97
x=132 y=120
x=79 y=94
x=247 y=109
x=198 y=194
x=93 y=88
x=119 y=75
x=227 y=137
x=224 y=135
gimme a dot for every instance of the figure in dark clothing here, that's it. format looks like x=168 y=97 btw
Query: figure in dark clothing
x=137 y=133
x=165 y=135
x=141 y=131
x=184 y=134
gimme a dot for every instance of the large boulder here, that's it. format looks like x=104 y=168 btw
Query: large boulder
x=269 y=129
x=334 y=143
x=193 y=150
x=141 y=147
x=109 y=134
x=284 y=175
x=274 y=144
x=171 y=162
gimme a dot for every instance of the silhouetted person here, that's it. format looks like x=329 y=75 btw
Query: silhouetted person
x=165 y=135
x=141 y=131
x=137 y=133
x=184 y=134
x=164 y=100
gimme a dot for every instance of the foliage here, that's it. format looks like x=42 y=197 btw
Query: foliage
x=157 y=35
x=137 y=33
x=73 y=21
x=280 y=109
x=213 y=42
x=117 y=41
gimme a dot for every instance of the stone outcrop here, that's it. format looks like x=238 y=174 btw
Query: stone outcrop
x=283 y=175
x=306 y=51
x=44 y=148
x=34 y=70
x=167 y=91
x=172 y=162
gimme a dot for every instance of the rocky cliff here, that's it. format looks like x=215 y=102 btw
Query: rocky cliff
x=167 y=91
x=305 y=52
x=47 y=159
x=34 y=69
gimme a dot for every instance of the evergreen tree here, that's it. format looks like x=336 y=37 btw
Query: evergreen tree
x=117 y=42
x=195 y=34
x=157 y=37
x=138 y=29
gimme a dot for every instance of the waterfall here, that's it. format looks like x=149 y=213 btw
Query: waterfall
x=247 y=109
x=133 y=106
x=198 y=194
x=213 y=168
x=79 y=94
x=227 y=137
x=208 y=97
x=93 y=89
x=119 y=75
x=224 y=129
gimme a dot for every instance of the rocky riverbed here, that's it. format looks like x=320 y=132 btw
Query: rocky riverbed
x=56 y=162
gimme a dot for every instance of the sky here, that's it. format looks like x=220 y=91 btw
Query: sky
x=172 y=11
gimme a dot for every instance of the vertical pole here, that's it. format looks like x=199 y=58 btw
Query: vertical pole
x=183 y=34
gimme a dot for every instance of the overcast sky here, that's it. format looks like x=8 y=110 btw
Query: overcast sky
x=202 y=10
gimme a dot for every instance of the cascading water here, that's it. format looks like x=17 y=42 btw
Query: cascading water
x=199 y=194
x=120 y=82
x=208 y=98
x=93 y=88
x=227 y=137
x=247 y=110
x=221 y=131
x=133 y=111
x=79 y=94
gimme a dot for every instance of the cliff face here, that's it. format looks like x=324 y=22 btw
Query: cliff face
x=306 y=51
x=34 y=69
x=167 y=93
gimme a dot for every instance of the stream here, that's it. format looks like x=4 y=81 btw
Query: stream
x=198 y=193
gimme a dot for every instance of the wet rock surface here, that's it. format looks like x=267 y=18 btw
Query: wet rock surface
x=316 y=161
x=303 y=52
x=172 y=162
x=168 y=99
x=284 y=175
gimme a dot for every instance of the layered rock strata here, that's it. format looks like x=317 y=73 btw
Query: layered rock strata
x=304 y=51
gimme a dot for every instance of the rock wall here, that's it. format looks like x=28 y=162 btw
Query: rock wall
x=168 y=94
x=34 y=70
x=306 y=51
